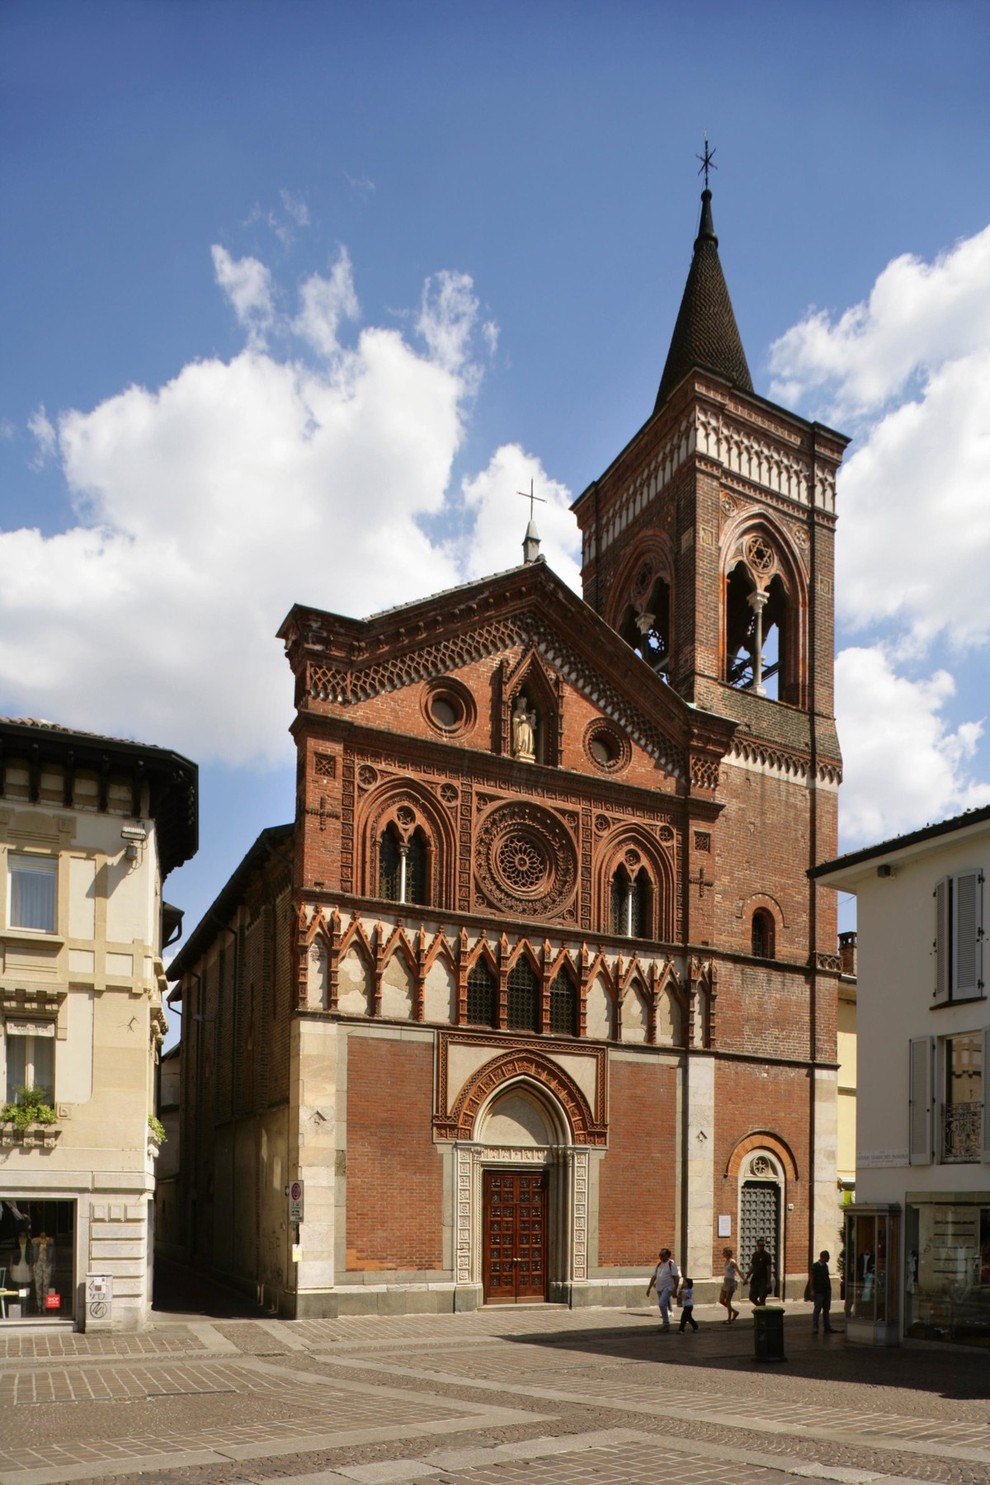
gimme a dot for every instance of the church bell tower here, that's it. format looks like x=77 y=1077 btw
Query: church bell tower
x=708 y=544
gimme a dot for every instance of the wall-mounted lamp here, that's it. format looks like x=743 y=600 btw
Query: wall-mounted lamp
x=135 y=836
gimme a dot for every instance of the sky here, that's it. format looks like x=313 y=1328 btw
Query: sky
x=297 y=296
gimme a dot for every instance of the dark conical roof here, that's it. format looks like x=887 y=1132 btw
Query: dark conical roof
x=706 y=334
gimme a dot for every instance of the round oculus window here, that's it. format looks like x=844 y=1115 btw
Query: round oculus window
x=445 y=710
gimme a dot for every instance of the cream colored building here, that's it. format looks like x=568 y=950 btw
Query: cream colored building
x=89 y=829
x=918 y=1236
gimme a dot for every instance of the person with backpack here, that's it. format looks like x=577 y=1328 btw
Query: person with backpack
x=664 y=1280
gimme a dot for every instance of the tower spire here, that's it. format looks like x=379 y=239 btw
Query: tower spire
x=706 y=336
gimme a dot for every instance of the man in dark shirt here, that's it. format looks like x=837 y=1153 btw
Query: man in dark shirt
x=760 y=1276
x=821 y=1293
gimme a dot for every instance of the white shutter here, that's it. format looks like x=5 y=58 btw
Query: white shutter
x=985 y=1141
x=943 y=938
x=967 y=932
x=920 y=1119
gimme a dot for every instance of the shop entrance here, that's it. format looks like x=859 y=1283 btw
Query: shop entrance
x=514 y=1230
x=37 y=1259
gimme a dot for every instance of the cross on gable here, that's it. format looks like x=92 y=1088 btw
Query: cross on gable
x=531 y=497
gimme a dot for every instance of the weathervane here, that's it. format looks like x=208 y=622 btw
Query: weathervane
x=531 y=497
x=707 y=161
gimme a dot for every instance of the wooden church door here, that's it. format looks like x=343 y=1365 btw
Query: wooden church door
x=515 y=1236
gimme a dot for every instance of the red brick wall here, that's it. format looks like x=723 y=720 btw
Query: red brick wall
x=636 y=1178
x=752 y=1099
x=394 y=1172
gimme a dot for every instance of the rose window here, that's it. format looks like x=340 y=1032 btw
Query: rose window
x=526 y=860
x=522 y=863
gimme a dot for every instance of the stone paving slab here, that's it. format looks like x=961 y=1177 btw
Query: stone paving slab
x=329 y=1414
x=891 y=1431
x=373 y=1399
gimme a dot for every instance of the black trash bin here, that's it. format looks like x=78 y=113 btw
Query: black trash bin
x=768 y=1333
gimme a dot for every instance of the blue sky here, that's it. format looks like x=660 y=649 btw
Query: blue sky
x=298 y=295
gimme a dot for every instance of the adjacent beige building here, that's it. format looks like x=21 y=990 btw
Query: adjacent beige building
x=918 y=1236
x=89 y=829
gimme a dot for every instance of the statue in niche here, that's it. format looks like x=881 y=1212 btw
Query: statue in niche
x=523 y=730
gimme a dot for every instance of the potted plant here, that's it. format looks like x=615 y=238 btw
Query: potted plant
x=29 y=1113
x=156 y=1135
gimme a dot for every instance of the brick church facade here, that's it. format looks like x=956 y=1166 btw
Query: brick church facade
x=537 y=980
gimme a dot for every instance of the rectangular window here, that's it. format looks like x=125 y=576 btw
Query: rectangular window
x=30 y=1049
x=32 y=893
x=962 y=1108
x=959 y=937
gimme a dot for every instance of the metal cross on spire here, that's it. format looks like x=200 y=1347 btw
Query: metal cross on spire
x=531 y=497
x=707 y=161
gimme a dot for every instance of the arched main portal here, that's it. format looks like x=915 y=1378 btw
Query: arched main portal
x=522 y=1210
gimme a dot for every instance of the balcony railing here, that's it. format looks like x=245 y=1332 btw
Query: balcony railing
x=962 y=1132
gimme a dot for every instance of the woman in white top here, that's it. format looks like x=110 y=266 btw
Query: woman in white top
x=733 y=1276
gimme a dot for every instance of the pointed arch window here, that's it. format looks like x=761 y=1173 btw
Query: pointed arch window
x=482 y=996
x=631 y=897
x=645 y=627
x=763 y=935
x=759 y=627
x=523 y=1011
x=403 y=867
x=563 y=1005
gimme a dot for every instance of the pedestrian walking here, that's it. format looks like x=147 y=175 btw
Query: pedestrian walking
x=760 y=1276
x=664 y=1281
x=687 y=1306
x=731 y=1277
x=821 y=1293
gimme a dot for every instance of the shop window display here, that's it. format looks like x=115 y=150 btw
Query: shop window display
x=37 y=1242
x=948 y=1271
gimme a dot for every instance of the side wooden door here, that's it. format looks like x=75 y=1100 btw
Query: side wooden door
x=515 y=1236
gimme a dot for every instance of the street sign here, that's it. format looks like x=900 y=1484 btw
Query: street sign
x=295 y=1201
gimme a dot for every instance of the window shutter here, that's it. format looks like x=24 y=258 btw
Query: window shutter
x=920 y=1103
x=967 y=934
x=943 y=938
x=985 y=1140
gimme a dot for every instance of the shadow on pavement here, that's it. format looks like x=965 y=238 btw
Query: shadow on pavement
x=952 y=1372
x=181 y=1291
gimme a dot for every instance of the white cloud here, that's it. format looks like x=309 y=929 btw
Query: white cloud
x=247 y=285
x=43 y=432
x=295 y=208
x=918 y=317
x=210 y=505
x=324 y=303
x=448 y=313
x=914 y=528
x=911 y=367
x=904 y=765
x=499 y=518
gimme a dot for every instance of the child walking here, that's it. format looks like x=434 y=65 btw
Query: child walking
x=687 y=1305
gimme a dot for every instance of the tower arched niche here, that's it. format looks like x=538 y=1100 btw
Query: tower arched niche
x=641 y=601
x=764 y=593
x=634 y=886
x=401 y=818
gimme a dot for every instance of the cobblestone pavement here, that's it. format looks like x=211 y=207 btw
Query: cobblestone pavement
x=541 y=1395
